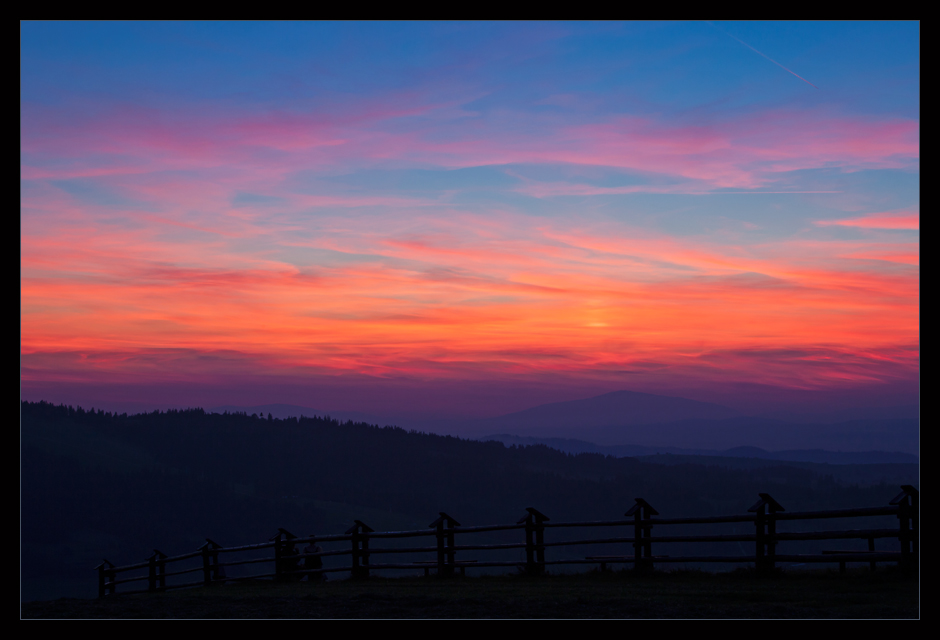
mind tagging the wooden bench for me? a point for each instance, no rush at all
(427, 565)
(832, 552)
(603, 560)
(871, 549)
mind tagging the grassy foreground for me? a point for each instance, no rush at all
(681, 594)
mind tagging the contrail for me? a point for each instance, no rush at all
(768, 57)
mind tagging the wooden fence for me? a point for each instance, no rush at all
(290, 563)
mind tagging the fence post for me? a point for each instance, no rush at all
(445, 544)
(284, 550)
(206, 564)
(161, 569)
(214, 557)
(765, 521)
(439, 524)
(534, 541)
(210, 561)
(152, 573)
(642, 535)
(157, 573)
(908, 530)
(352, 531)
(104, 572)
(364, 554)
(359, 533)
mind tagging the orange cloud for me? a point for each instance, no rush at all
(523, 297)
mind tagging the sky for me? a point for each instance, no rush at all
(466, 219)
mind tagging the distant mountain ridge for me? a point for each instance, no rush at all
(633, 419)
(615, 408)
(637, 451)
(648, 420)
(773, 435)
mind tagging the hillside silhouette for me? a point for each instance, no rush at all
(98, 484)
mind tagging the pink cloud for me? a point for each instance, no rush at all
(745, 153)
(885, 220)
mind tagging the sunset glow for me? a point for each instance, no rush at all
(499, 203)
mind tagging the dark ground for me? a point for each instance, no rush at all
(682, 594)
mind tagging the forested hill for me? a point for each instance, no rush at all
(94, 481)
(391, 468)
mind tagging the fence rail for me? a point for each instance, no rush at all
(292, 564)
